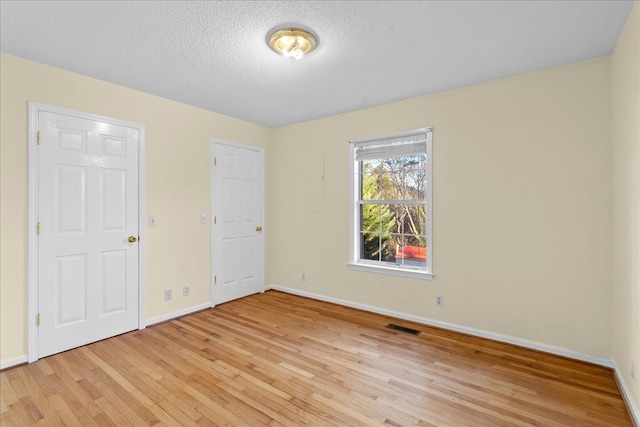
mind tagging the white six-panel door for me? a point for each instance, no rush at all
(87, 270)
(238, 208)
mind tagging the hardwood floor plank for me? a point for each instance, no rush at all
(8, 396)
(64, 412)
(275, 359)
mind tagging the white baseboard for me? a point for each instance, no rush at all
(13, 362)
(178, 313)
(628, 399)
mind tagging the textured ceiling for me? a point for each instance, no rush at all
(213, 54)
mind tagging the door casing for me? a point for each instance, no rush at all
(32, 218)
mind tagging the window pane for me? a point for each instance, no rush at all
(415, 185)
(370, 244)
(414, 162)
(377, 247)
(370, 189)
(377, 219)
(413, 219)
(415, 240)
(370, 216)
(388, 252)
(395, 185)
(381, 185)
(394, 163)
(370, 166)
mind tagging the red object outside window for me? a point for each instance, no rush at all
(417, 253)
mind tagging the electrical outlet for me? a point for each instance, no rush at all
(439, 301)
(152, 221)
(167, 295)
(203, 218)
(304, 277)
(186, 291)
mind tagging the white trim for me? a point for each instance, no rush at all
(13, 362)
(633, 410)
(32, 241)
(559, 351)
(214, 213)
(404, 272)
(179, 313)
(32, 210)
(142, 227)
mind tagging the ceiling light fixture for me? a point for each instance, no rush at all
(292, 42)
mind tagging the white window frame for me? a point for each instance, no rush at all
(355, 262)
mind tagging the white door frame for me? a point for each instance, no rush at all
(32, 209)
(212, 263)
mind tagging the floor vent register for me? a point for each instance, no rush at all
(403, 329)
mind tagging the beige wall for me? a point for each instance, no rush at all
(522, 208)
(625, 126)
(178, 190)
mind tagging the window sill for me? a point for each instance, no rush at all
(414, 274)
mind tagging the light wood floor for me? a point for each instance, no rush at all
(277, 359)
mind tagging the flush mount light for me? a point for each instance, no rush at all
(292, 42)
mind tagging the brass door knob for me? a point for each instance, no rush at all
(133, 239)
(258, 229)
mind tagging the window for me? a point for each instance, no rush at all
(391, 204)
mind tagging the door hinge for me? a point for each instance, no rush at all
(38, 319)
(38, 228)
(38, 138)
(215, 279)
(215, 161)
(215, 220)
